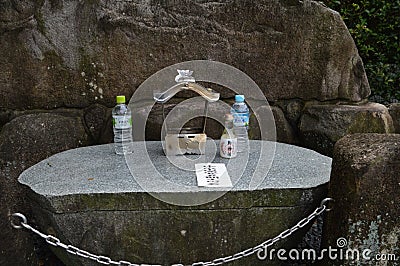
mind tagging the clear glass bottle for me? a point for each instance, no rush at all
(122, 127)
(241, 115)
(228, 142)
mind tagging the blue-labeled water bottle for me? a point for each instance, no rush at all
(122, 126)
(241, 115)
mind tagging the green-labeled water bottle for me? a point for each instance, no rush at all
(122, 126)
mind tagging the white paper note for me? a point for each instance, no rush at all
(212, 175)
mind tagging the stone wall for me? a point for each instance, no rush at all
(63, 62)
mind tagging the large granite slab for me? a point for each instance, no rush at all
(116, 205)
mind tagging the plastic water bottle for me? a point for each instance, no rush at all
(228, 142)
(122, 126)
(241, 115)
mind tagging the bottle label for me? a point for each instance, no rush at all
(241, 119)
(122, 122)
(228, 148)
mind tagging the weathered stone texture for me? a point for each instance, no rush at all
(95, 120)
(76, 53)
(5, 117)
(80, 54)
(365, 185)
(394, 110)
(25, 141)
(322, 125)
(292, 110)
(284, 131)
(33, 137)
(178, 115)
(214, 125)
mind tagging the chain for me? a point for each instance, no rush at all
(54, 241)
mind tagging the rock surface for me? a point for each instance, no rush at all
(394, 110)
(81, 54)
(365, 186)
(77, 53)
(322, 125)
(88, 197)
(284, 131)
(292, 110)
(95, 117)
(214, 125)
(184, 114)
(25, 141)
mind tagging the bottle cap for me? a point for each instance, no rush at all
(120, 99)
(239, 98)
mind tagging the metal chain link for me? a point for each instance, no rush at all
(54, 241)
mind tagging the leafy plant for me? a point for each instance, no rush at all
(375, 27)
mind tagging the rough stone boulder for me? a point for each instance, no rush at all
(284, 131)
(76, 53)
(25, 141)
(149, 116)
(394, 110)
(95, 117)
(322, 125)
(214, 125)
(365, 185)
(33, 137)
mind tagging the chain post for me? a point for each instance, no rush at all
(54, 241)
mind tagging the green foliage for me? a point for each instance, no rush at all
(375, 27)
